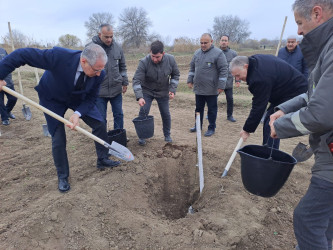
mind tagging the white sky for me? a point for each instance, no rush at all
(45, 20)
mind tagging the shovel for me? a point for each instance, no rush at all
(302, 152)
(239, 144)
(115, 148)
(26, 110)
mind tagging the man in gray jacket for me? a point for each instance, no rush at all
(312, 114)
(207, 76)
(115, 81)
(228, 91)
(156, 77)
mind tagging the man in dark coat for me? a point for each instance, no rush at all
(270, 80)
(71, 81)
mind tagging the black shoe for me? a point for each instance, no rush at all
(209, 132)
(11, 115)
(168, 139)
(142, 142)
(5, 122)
(194, 129)
(107, 163)
(63, 185)
(230, 118)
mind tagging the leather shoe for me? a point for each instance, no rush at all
(142, 142)
(11, 115)
(230, 118)
(106, 163)
(168, 138)
(5, 122)
(63, 185)
(209, 132)
(194, 129)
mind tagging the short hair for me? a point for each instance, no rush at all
(224, 35)
(304, 7)
(94, 52)
(207, 34)
(293, 37)
(157, 47)
(108, 27)
(238, 61)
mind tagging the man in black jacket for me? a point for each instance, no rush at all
(270, 80)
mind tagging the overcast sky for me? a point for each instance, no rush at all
(45, 21)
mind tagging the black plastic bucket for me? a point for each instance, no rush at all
(264, 171)
(118, 135)
(144, 126)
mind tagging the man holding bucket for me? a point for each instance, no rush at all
(156, 77)
(312, 114)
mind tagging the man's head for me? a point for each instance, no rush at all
(238, 67)
(291, 43)
(224, 42)
(93, 59)
(105, 33)
(309, 14)
(206, 41)
(156, 51)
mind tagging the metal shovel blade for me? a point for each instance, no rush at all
(120, 152)
(26, 112)
(302, 152)
(46, 130)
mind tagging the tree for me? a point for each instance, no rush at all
(133, 26)
(69, 41)
(20, 40)
(233, 26)
(95, 20)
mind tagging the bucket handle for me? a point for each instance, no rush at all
(266, 145)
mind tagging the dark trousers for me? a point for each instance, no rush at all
(267, 139)
(211, 100)
(59, 145)
(230, 101)
(313, 216)
(163, 105)
(117, 110)
(6, 109)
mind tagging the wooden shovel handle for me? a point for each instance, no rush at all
(54, 115)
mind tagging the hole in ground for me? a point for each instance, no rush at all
(174, 187)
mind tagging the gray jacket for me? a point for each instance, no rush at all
(229, 55)
(311, 113)
(8, 78)
(156, 79)
(115, 69)
(208, 71)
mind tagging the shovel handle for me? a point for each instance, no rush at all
(239, 144)
(55, 116)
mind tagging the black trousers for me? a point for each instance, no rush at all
(211, 100)
(59, 145)
(230, 101)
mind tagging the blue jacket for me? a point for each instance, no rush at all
(56, 87)
(8, 78)
(270, 80)
(295, 59)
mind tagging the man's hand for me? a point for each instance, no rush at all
(244, 135)
(171, 95)
(190, 85)
(275, 116)
(74, 119)
(273, 132)
(220, 91)
(2, 83)
(124, 89)
(237, 84)
(142, 102)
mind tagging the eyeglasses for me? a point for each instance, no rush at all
(95, 70)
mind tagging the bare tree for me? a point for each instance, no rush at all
(133, 26)
(69, 41)
(95, 20)
(20, 40)
(233, 26)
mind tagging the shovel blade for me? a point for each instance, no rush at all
(120, 152)
(26, 112)
(46, 130)
(302, 152)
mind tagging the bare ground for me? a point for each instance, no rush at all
(142, 204)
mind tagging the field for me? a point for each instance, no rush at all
(142, 204)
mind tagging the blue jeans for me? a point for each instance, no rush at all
(6, 109)
(230, 101)
(163, 105)
(211, 100)
(313, 216)
(117, 111)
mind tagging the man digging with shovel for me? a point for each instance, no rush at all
(312, 114)
(71, 81)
